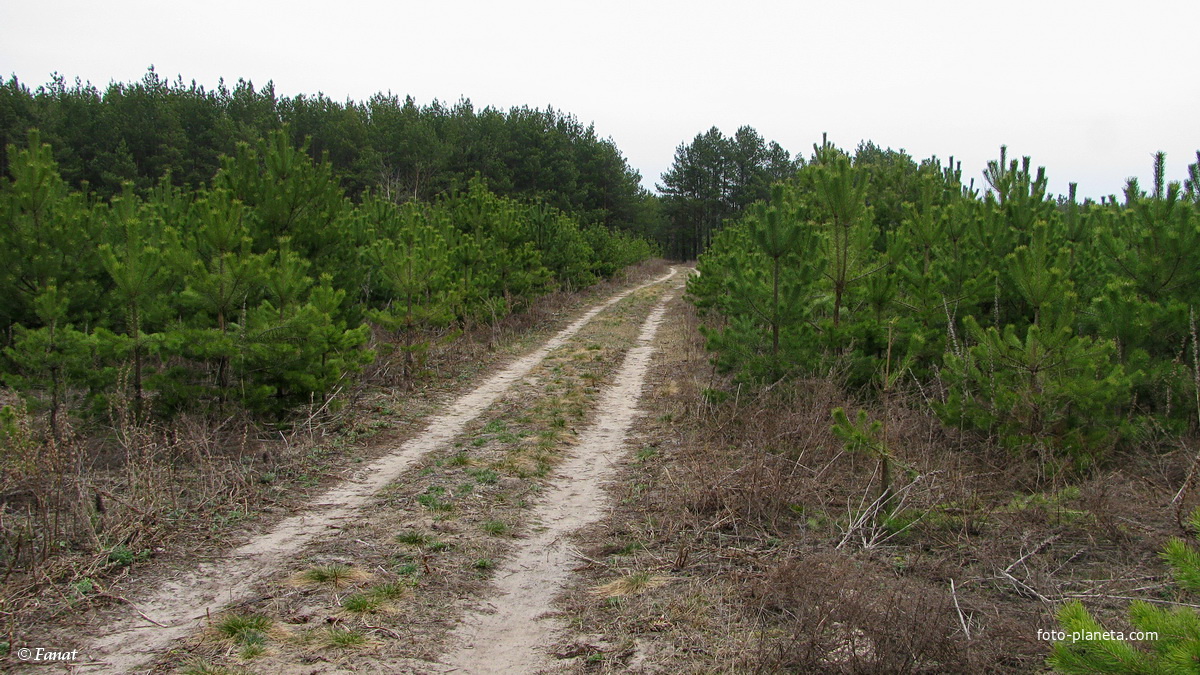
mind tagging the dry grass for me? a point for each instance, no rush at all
(763, 519)
(86, 515)
(631, 584)
(330, 575)
(438, 532)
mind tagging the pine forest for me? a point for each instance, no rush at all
(894, 418)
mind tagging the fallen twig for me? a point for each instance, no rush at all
(129, 602)
(381, 629)
(1025, 588)
(962, 620)
(1129, 597)
(1037, 549)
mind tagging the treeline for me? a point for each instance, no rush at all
(141, 131)
(1054, 327)
(257, 291)
(715, 178)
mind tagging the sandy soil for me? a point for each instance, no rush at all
(511, 633)
(177, 607)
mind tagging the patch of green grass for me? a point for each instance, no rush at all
(1023, 502)
(84, 587)
(900, 521)
(645, 454)
(391, 589)
(629, 548)
(636, 581)
(245, 629)
(407, 569)
(458, 459)
(1052, 503)
(230, 518)
(320, 452)
(436, 546)
(495, 427)
(413, 538)
(941, 520)
(120, 555)
(252, 651)
(432, 500)
(484, 564)
(333, 574)
(464, 489)
(345, 638)
(361, 603)
(484, 476)
(496, 527)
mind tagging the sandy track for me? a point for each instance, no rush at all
(179, 605)
(511, 634)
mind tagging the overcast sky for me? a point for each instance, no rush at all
(1089, 89)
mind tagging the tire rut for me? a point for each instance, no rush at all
(512, 631)
(178, 606)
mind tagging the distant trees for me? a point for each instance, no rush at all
(715, 178)
(141, 131)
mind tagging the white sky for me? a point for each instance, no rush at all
(1089, 89)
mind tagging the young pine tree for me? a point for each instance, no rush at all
(134, 256)
(1174, 647)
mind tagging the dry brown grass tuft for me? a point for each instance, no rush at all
(330, 575)
(832, 613)
(631, 584)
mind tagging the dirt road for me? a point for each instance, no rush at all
(511, 634)
(181, 606)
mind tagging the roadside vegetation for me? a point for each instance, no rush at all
(900, 423)
(178, 361)
(910, 427)
(746, 536)
(404, 573)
